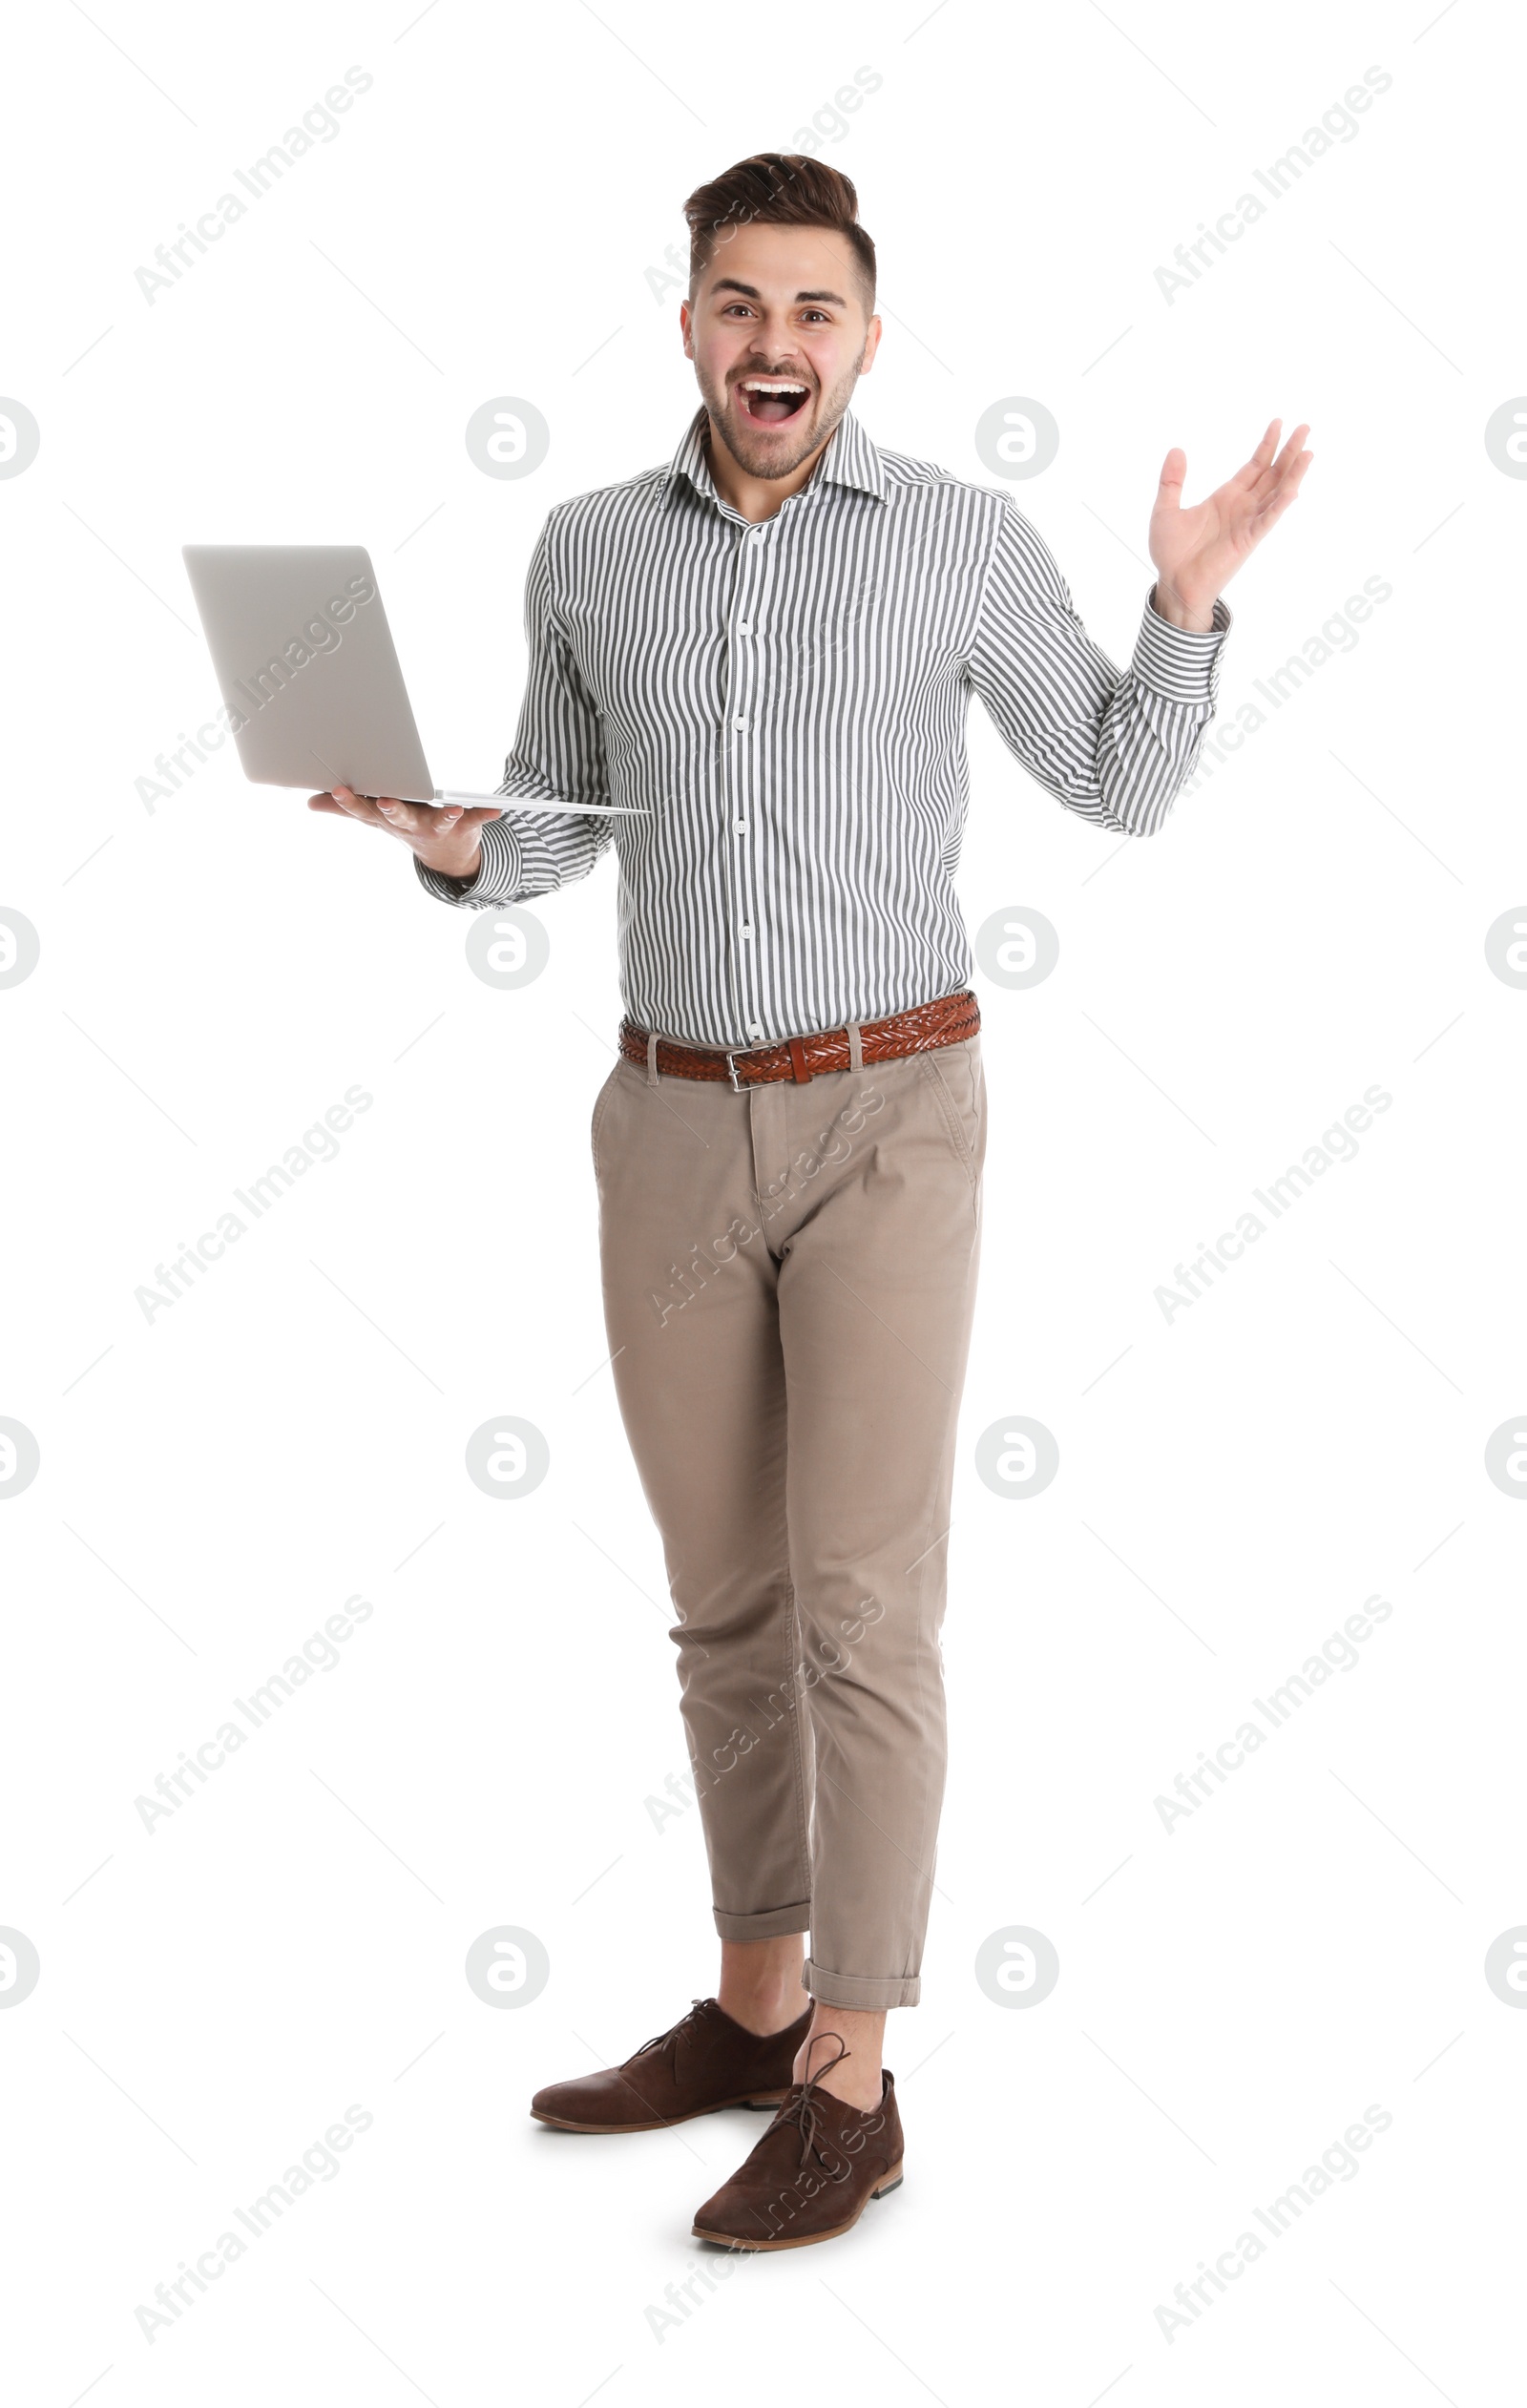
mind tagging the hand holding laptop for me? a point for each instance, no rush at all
(310, 680)
(443, 836)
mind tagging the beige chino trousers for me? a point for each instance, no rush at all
(789, 1276)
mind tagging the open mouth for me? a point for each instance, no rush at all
(772, 401)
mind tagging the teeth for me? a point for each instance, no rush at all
(757, 385)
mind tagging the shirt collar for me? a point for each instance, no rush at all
(850, 459)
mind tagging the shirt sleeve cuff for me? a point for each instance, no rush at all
(498, 872)
(1177, 662)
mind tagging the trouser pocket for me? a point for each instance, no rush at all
(958, 1083)
(600, 1100)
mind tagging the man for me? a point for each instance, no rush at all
(771, 644)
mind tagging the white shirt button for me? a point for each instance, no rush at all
(744, 626)
(755, 1028)
(739, 828)
(748, 928)
(740, 723)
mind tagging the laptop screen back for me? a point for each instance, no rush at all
(307, 667)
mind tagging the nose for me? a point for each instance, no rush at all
(774, 341)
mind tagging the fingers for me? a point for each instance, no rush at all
(1263, 473)
(1274, 467)
(419, 818)
(1246, 480)
(1290, 454)
(1286, 489)
(355, 807)
(407, 820)
(1294, 441)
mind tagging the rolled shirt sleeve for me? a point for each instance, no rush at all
(557, 757)
(1115, 746)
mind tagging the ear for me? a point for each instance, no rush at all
(867, 358)
(687, 325)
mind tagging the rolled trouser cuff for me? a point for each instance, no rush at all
(776, 1922)
(870, 1992)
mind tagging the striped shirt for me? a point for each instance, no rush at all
(789, 701)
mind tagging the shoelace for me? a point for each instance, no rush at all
(802, 2109)
(660, 2039)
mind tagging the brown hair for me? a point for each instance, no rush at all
(776, 188)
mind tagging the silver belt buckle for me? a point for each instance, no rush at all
(731, 1071)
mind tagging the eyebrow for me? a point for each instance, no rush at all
(731, 285)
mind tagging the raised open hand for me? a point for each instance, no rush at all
(1198, 550)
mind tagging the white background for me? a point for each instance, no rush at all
(1233, 1483)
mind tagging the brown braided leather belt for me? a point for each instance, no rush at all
(948, 1020)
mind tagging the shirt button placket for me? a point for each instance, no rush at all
(745, 707)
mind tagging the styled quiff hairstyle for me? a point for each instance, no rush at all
(776, 188)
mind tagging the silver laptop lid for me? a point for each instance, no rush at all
(307, 667)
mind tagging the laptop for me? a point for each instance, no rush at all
(305, 663)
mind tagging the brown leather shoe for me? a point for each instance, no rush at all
(812, 2174)
(707, 2061)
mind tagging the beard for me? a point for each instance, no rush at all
(756, 451)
